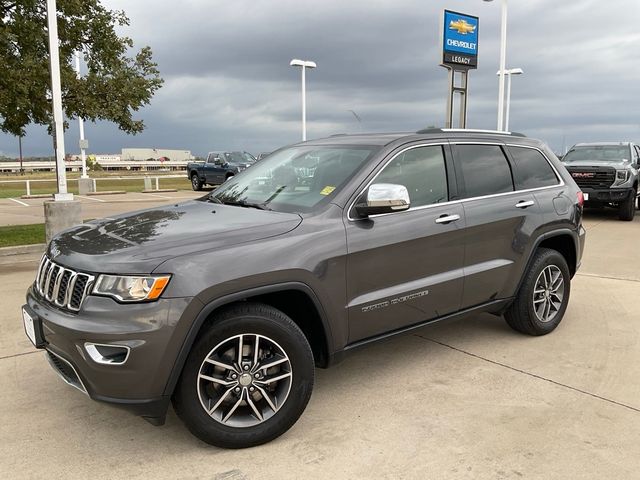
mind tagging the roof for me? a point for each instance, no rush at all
(383, 139)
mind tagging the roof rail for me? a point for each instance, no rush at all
(468, 130)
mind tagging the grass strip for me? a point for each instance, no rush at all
(13, 235)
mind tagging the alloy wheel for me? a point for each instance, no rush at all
(244, 380)
(548, 293)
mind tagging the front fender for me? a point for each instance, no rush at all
(209, 307)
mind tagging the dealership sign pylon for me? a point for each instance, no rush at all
(459, 55)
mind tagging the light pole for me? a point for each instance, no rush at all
(56, 96)
(503, 62)
(63, 212)
(509, 73)
(83, 152)
(304, 64)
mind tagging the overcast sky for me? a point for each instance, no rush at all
(228, 84)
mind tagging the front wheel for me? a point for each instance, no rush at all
(196, 184)
(543, 296)
(247, 379)
(627, 209)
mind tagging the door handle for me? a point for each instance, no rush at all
(524, 204)
(447, 218)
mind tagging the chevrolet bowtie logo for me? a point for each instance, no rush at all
(462, 27)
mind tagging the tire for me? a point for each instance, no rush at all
(234, 422)
(229, 175)
(196, 183)
(627, 209)
(528, 317)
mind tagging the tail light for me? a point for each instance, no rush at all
(580, 196)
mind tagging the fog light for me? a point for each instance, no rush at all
(107, 354)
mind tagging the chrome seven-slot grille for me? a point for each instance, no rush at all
(62, 286)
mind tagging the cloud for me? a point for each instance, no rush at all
(229, 86)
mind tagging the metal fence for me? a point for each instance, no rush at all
(146, 181)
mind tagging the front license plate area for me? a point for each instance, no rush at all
(33, 328)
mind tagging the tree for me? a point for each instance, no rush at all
(116, 85)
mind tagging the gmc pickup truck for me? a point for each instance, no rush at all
(218, 168)
(607, 174)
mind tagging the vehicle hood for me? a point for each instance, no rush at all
(598, 163)
(137, 242)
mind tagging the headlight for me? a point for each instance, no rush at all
(131, 288)
(622, 176)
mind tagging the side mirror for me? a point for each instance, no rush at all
(383, 198)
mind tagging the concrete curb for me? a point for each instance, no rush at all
(106, 192)
(22, 249)
(39, 195)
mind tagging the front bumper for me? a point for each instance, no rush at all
(607, 195)
(152, 332)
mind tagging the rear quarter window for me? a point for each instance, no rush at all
(532, 170)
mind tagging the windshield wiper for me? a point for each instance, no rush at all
(239, 203)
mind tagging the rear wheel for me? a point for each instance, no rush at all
(196, 184)
(248, 378)
(543, 296)
(627, 209)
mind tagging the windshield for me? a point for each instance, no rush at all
(239, 157)
(603, 153)
(296, 179)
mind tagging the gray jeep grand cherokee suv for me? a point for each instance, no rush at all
(225, 304)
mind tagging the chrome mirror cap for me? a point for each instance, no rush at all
(384, 198)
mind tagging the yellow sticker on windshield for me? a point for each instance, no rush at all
(327, 190)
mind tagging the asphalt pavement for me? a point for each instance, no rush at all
(21, 211)
(461, 400)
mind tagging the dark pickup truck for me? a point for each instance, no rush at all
(218, 168)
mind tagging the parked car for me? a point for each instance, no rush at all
(224, 305)
(607, 173)
(218, 168)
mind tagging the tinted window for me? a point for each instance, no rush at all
(422, 171)
(531, 169)
(485, 170)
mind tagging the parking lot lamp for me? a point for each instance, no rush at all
(503, 62)
(63, 212)
(56, 96)
(83, 152)
(304, 64)
(509, 73)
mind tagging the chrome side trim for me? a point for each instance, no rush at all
(464, 200)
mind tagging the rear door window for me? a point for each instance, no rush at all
(485, 170)
(532, 170)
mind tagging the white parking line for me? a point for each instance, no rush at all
(89, 198)
(159, 196)
(21, 203)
